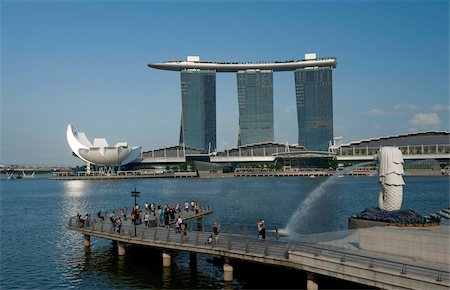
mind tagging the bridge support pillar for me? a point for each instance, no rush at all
(311, 282)
(166, 259)
(121, 248)
(87, 241)
(192, 258)
(227, 272)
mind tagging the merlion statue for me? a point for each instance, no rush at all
(391, 180)
(390, 199)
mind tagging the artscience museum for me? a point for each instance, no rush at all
(100, 153)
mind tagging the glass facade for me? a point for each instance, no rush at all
(313, 90)
(255, 96)
(198, 115)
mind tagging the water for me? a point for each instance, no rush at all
(38, 252)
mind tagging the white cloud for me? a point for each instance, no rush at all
(408, 107)
(425, 120)
(441, 108)
(413, 107)
(375, 112)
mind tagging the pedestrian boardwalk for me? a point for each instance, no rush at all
(369, 268)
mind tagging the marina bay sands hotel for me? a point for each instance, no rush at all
(313, 91)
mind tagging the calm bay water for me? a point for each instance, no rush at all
(38, 253)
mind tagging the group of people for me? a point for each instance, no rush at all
(83, 221)
(166, 215)
(151, 215)
(116, 221)
(214, 237)
(193, 204)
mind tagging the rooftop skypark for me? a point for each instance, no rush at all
(193, 62)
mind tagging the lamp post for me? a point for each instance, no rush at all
(135, 194)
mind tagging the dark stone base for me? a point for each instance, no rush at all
(371, 217)
(355, 223)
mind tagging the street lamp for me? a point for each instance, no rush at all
(135, 194)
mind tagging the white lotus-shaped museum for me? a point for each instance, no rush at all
(100, 153)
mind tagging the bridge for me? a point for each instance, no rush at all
(336, 258)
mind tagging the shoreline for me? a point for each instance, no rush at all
(210, 175)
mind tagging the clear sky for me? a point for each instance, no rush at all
(85, 63)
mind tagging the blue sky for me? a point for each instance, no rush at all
(85, 63)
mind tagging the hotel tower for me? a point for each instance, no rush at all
(313, 90)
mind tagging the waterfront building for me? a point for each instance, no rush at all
(289, 155)
(255, 95)
(418, 146)
(100, 153)
(198, 113)
(314, 94)
(415, 147)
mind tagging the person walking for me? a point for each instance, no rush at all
(146, 218)
(263, 230)
(216, 228)
(119, 224)
(183, 232)
(259, 225)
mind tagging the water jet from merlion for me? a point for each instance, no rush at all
(295, 222)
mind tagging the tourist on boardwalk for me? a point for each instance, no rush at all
(86, 220)
(216, 228)
(172, 213)
(196, 208)
(146, 217)
(186, 206)
(261, 230)
(114, 223)
(122, 213)
(119, 224)
(178, 224)
(161, 215)
(112, 216)
(139, 217)
(183, 232)
(133, 216)
(100, 216)
(166, 218)
(152, 208)
(125, 214)
(209, 240)
(80, 221)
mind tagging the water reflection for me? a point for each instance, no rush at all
(75, 188)
(166, 277)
